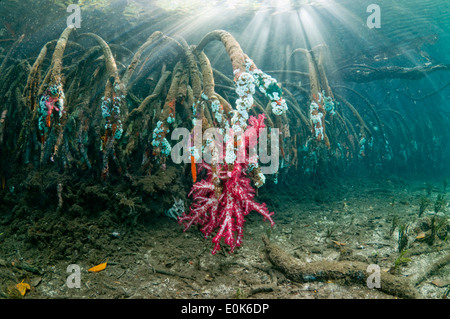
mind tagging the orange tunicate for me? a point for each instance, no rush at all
(193, 169)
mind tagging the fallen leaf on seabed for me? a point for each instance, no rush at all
(440, 283)
(23, 287)
(99, 267)
(420, 236)
(338, 243)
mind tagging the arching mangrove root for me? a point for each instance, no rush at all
(318, 108)
(368, 74)
(351, 272)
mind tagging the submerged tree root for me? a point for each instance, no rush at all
(265, 288)
(347, 271)
(432, 269)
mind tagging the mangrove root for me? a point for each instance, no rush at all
(351, 272)
(390, 72)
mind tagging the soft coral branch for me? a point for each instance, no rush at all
(225, 210)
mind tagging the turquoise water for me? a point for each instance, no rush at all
(92, 118)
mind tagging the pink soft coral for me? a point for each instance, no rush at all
(226, 208)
